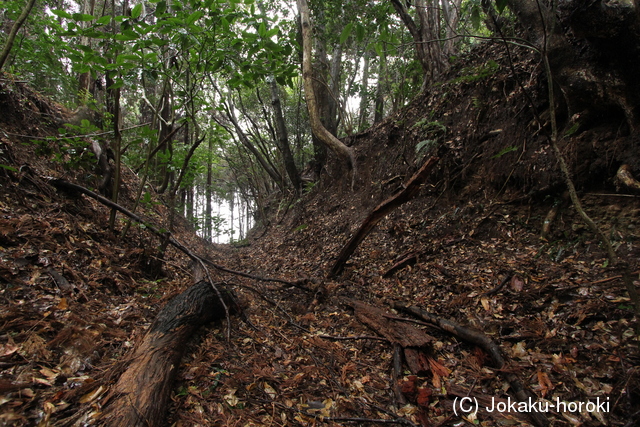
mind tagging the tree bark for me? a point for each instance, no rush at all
(14, 30)
(141, 395)
(343, 152)
(364, 93)
(282, 137)
(593, 50)
(425, 35)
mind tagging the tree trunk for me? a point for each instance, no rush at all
(364, 93)
(333, 102)
(141, 395)
(14, 30)
(594, 54)
(426, 35)
(379, 104)
(282, 137)
(208, 192)
(343, 152)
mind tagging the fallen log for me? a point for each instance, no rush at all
(141, 395)
(382, 210)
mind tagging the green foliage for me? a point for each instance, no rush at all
(475, 74)
(37, 56)
(424, 148)
(71, 147)
(505, 151)
(433, 131)
(572, 130)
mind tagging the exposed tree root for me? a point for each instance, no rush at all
(484, 342)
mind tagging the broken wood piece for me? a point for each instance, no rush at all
(414, 341)
(397, 374)
(548, 220)
(483, 341)
(141, 395)
(402, 334)
(410, 190)
(625, 177)
(417, 361)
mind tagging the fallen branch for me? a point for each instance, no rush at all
(75, 188)
(410, 190)
(484, 342)
(359, 337)
(498, 288)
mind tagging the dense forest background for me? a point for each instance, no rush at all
(467, 162)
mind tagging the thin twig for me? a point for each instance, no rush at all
(358, 337)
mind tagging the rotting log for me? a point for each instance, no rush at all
(141, 395)
(410, 190)
(416, 343)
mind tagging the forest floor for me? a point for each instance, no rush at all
(75, 298)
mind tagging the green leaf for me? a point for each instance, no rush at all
(505, 151)
(346, 33)
(104, 20)
(379, 49)
(360, 33)
(151, 57)
(194, 17)
(161, 8)
(137, 10)
(262, 29)
(9, 168)
(127, 36)
(117, 85)
(475, 17)
(500, 5)
(84, 17)
(62, 14)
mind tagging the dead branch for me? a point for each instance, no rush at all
(359, 337)
(410, 190)
(75, 188)
(481, 340)
(498, 288)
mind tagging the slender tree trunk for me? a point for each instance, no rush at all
(364, 94)
(379, 105)
(282, 137)
(14, 31)
(343, 152)
(208, 191)
(451, 15)
(426, 35)
(84, 79)
(333, 102)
